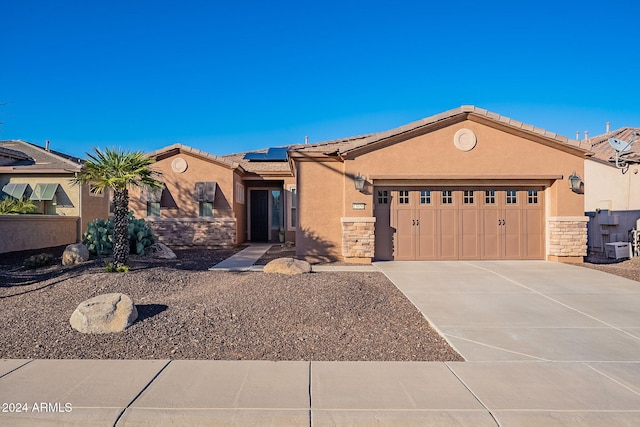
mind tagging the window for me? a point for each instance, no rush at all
(383, 197)
(205, 209)
(533, 197)
(276, 208)
(512, 197)
(239, 193)
(46, 195)
(292, 195)
(467, 197)
(403, 197)
(153, 209)
(447, 197)
(425, 197)
(490, 197)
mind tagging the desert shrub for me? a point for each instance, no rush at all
(39, 260)
(11, 206)
(99, 236)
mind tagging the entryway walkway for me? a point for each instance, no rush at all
(245, 259)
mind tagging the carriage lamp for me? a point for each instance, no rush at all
(359, 182)
(575, 182)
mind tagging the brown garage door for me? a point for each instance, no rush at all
(459, 223)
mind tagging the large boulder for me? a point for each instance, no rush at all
(161, 251)
(75, 254)
(287, 266)
(104, 314)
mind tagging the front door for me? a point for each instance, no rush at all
(259, 200)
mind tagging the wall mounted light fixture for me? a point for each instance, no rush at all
(575, 182)
(358, 181)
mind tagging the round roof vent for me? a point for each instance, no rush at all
(465, 139)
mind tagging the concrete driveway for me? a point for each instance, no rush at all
(525, 310)
(545, 343)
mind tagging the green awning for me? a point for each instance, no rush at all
(15, 190)
(44, 192)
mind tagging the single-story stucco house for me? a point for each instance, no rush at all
(466, 184)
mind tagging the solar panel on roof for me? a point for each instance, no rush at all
(278, 154)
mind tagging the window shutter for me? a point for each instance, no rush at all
(198, 194)
(210, 191)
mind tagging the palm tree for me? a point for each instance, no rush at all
(118, 170)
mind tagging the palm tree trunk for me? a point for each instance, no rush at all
(120, 228)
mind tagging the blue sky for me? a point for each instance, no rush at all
(234, 76)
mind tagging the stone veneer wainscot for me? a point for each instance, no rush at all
(194, 231)
(568, 236)
(358, 237)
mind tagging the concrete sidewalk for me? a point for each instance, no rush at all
(223, 393)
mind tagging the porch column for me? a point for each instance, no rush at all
(567, 238)
(358, 239)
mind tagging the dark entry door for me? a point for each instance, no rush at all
(260, 215)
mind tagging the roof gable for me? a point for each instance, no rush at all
(352, 147)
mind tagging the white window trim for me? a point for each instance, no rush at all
(240, 191)
(289, 206)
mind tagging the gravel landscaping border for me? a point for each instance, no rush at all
(187, 312)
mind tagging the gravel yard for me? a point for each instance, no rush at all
(187, 312)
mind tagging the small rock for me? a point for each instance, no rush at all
(104, 314)
(161, 251)
(75, 254)
(287, 266)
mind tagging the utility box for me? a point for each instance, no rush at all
(618, 250)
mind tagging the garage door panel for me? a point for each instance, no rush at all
(448, 227)
(427, 248)
(470, 233)
(534, 236)
(404, 244)
(512, 234)
(491, 246)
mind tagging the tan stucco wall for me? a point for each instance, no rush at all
(181, 188)
(606, 187)
(327, 191)
(320, 206)
(24, 232)
(93, 206)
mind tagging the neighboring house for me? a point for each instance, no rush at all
(612, 193)
(466, 184)
(219, 200)
(610, 187)
(43, 176)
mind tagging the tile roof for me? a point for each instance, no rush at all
(602, 150)
(194, 151)
(347, 145)
(25, 157)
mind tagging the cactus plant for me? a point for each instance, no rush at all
(99, 236)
